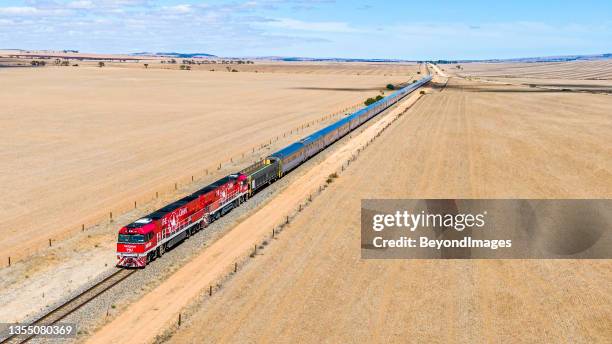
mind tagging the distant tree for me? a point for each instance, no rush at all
(390, 87)
(183, 67)
(173, 61)
(229, 69)
(234, 71)
(101, 64)
(188, 67)
(146, 65)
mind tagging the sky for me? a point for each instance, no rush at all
(411, 30)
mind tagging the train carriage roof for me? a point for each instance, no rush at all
(292, 148)
(311, 138)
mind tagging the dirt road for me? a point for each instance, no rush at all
(470, 140)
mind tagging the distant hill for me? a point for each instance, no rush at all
(561, 58)
(175, 55)
(322, 59)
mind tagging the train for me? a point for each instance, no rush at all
(148, 238)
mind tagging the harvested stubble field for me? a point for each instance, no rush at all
(578, 70)
(333, 68)
(314, 68)
(472, 140)
(584, 76)
(78, 143)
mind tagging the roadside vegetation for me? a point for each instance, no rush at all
(371, 101)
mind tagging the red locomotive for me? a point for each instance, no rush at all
(147, 238)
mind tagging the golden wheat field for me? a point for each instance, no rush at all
(79, 143)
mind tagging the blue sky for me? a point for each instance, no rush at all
(312, 28)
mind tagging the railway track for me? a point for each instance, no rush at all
(67, 308)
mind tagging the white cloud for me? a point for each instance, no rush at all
(120, 3)
(177, 9)
(82, 4)
(299, 25)
(25, 10)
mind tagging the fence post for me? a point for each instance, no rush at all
(235, 267)
(83, 228)
(111, 216)
(179, 320)
(49, 242)
(210, 291)
(9, 261)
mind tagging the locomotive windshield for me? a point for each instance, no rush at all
(131, 238)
